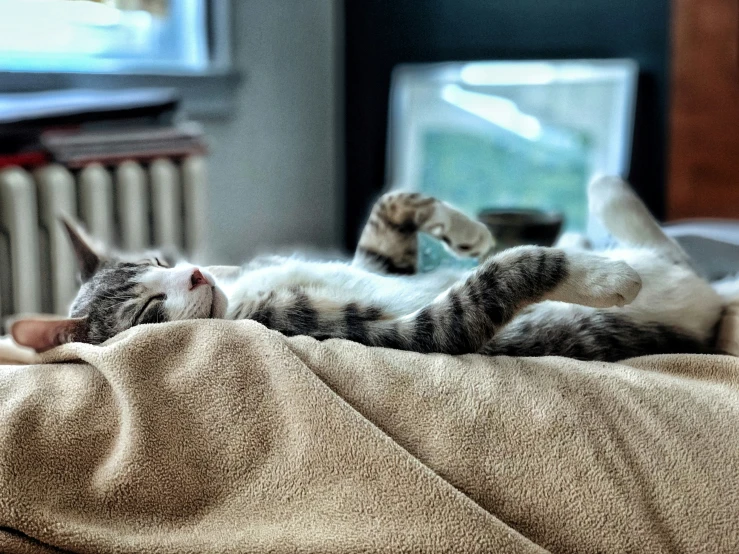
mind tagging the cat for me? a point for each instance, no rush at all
(642, 298)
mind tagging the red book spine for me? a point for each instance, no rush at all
(24, 159)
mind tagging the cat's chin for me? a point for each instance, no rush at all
(218, 304)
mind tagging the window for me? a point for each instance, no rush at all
(112, 36)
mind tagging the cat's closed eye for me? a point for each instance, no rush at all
(151, 312)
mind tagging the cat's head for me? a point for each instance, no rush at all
(119, 291)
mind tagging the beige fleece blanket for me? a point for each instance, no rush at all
(227, 437)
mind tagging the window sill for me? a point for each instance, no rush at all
(203, 95)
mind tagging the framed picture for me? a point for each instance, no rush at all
(511, 134)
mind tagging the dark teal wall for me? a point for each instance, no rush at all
(383, 33)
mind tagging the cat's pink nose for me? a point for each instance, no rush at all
(197, 279)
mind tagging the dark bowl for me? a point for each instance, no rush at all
(516, 227)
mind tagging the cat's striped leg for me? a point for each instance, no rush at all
(389, 240)
(465, 317)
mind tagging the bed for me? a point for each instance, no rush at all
(223, 436)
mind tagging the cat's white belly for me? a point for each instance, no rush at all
(671, 294)
(341, 283)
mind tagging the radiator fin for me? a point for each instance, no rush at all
(133, 206)
(19, 219)
(194, 178)
(57, 195)
(166, 204)
(97, 204)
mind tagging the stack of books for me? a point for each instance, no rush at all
(80, 127)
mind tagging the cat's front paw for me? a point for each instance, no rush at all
(463, 235)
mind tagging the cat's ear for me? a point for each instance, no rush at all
(44, 333)
(171, 255)
(88, 256)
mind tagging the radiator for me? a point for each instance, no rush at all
(133, 206)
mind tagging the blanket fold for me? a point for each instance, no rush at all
(227, 437)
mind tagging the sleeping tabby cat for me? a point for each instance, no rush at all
(531, 301)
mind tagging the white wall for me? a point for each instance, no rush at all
(274, 165)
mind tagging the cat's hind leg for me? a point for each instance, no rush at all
(674, 293)
(389, 240)
(629, 221)
(468, 315)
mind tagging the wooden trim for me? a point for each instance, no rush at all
(704, 114)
